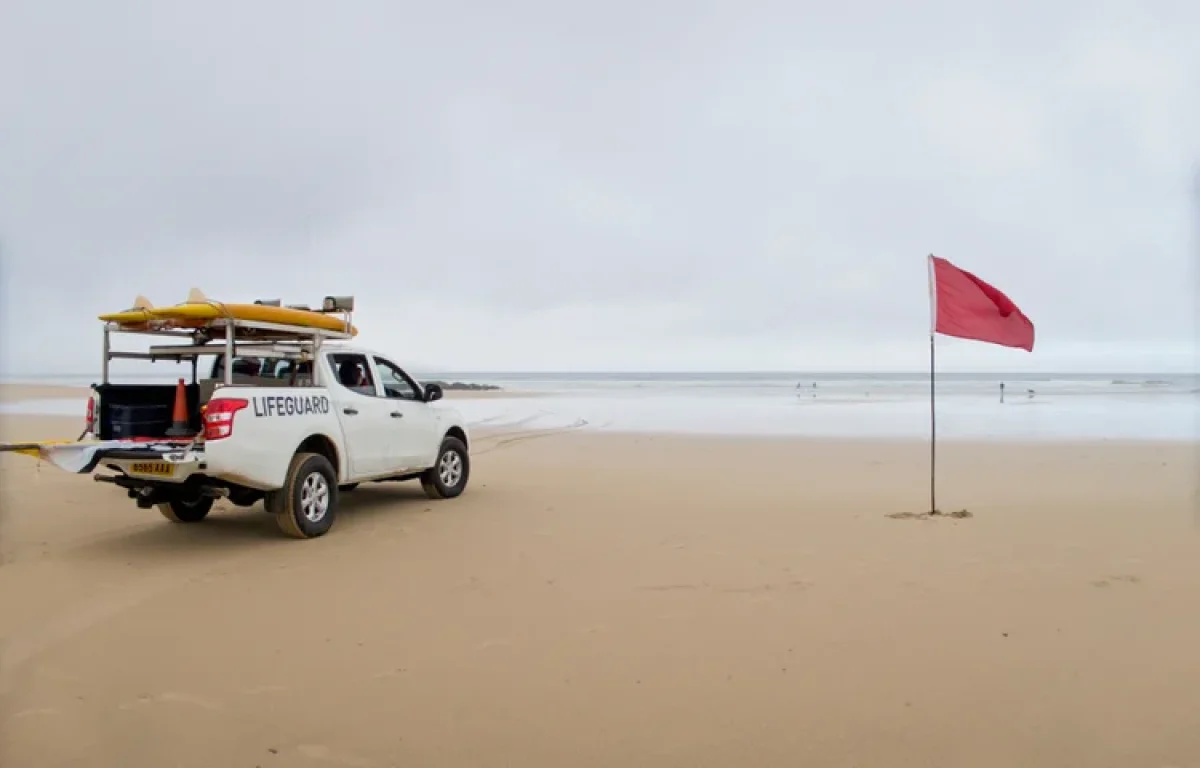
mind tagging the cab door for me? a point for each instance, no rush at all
(362, 413)
(413, 440)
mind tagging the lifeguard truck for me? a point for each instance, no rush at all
(280, 407)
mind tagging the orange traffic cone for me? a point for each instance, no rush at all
(179, 422)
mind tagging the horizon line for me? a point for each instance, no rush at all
(701, 372)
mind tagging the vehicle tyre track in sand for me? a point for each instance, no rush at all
(506, 439)
(511, 424)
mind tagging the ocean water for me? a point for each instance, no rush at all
(891, 405)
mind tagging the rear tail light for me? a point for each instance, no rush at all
(218, 417)
(90, 418)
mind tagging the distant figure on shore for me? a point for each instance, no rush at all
(1002, 391)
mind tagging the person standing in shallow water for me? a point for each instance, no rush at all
(1002, 391)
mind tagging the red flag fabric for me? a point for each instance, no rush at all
(968, 308)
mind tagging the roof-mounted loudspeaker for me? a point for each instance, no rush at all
(338, 304)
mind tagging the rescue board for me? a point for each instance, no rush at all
(81, 456)
(198, 312)
(37, 449)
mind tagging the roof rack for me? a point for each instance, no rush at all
(228, 336)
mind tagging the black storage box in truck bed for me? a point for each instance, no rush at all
(143, 410)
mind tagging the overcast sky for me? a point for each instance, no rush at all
(670, 184)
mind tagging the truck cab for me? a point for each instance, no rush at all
(387, 422)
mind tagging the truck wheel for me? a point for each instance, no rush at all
(306, 504)
(181, 510)
(447, 478)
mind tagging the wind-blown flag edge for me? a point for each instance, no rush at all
(994, 318)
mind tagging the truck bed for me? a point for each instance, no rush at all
(142, 410)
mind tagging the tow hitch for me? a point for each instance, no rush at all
(148, 495)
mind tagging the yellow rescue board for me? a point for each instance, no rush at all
(34, 449)
(197, 315)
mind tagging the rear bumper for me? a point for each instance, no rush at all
(155, 465)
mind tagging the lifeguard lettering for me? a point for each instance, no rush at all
(290, 405)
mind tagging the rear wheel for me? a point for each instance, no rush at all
(184, 509)
(448, 476)
(306, 505)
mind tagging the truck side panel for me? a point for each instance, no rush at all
(267, 432)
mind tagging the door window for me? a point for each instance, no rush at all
(396, 383)
(353, 373)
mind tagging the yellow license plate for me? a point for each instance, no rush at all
(155, 468)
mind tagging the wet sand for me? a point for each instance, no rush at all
(603, 600)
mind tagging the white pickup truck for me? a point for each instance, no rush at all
(264, 431)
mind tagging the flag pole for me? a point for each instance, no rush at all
(1196, 276)
(932, 388)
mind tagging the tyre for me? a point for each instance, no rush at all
(182, 509)
(448, 476)
(306, 505)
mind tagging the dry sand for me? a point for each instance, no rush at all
(604, 600)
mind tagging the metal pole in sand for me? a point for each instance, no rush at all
(932, 389)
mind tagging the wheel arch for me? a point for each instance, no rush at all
(322, 444)
(460, 433)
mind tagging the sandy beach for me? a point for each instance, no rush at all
(11, 393)
(612, 600)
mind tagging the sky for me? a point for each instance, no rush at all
(618, 185)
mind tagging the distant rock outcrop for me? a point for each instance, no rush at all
(464, 386)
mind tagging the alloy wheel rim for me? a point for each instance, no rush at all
(314, 497)
(450, 468)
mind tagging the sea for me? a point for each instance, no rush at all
(1050, 406)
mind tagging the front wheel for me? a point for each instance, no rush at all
(306, 505)
(448, 476)
(186, 510)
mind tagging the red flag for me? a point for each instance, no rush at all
(968, 308)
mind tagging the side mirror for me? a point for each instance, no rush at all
(433, 392)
